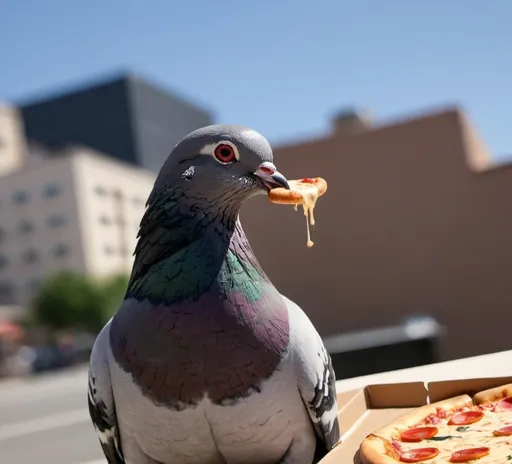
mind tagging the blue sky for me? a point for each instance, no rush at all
(280, 67)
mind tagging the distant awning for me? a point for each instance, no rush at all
(413, 328)
(10, 330)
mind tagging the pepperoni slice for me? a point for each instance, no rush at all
(466, 418)
(503, 432)
(418, 434)
(469, 454)
(504, 405)
(419, 454)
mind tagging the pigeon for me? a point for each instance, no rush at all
(205, 362)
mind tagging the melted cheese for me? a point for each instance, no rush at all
(475, 435)
(310, 194)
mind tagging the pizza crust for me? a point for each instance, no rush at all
(373, 450)
(493, 394)
(299, 191)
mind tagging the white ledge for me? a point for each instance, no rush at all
(489, 365)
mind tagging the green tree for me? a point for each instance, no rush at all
(113, 290)
(73, 301)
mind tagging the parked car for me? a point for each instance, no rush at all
(51, 357)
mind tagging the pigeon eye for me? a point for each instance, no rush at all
(225, 153)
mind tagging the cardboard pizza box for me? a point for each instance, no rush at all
(344, 397)
(363, 411)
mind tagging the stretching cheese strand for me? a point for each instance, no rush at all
(310, 195)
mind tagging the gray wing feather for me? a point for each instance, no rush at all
(101, 400)
(315, 376)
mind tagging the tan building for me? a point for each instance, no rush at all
(415, 221)
(12, 139)
(76, 210)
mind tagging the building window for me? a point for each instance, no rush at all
(104, 220)
(6, 290)
(61, 250)
(137, 201)
(51, 191)
(124, 251)
(117, 194)
(21, 197)
(34, 285)
(30, 256)
(101, 191)
(4, 261)
(26, 227)
(57, 220)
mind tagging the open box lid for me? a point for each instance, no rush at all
(374, 406)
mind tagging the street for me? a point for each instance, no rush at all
(45, 419)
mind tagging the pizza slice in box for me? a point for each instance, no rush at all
(459, 429)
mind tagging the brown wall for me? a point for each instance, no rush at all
(405, 227)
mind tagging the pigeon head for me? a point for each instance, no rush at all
(220, 164)
(191, 219)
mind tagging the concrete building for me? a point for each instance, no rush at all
(416, 220)
(125, 117)
(75, 209)
(12, 139)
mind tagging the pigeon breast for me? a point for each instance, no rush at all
(222, 344)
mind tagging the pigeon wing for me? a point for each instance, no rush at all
(101, 399)
(315, 376)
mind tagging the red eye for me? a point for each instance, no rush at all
(225, 153)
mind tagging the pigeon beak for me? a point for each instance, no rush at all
(270, 176)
